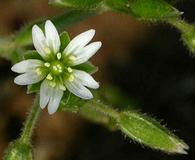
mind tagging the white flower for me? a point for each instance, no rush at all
(56, 71)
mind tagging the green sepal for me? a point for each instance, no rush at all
(87, 67)
(65, 40)
(32, 54)
(81, 4)
(70, 102)
(33, 88)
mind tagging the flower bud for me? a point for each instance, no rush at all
(187, 33)
(18, 151)
(150, 133)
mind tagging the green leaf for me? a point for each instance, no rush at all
(81, 4)
(147, 131)
(63, 21)
(65, 39)
(33, 88)
(153, 9)
(32, 54)
(145, 9)
(87, 67)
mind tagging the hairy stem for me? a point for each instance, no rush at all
(30, 122)
(180, 24)
(102, 108)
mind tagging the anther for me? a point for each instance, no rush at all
(49, 77)
(59, 55)
(47, 64)
(59, 67)
(55, 68)
(69, 69)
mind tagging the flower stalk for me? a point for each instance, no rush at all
(21, 148)
(187, 33)
(30, 122)
(135, 125)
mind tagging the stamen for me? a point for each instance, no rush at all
(47, 50)
(49, 77)
(71, 78)
(59, 55)
(69, 69)
(47, 64)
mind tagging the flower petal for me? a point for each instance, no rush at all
(79, 41)
(86, 79)
(78, 89)
(26, 65)
(55, 99)
(39, 40)
(52, 36)
(28, 78)
(45, 93)
(87, 52)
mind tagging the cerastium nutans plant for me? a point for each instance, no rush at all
(59, 72)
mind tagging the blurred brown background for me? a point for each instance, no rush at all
(148, 62)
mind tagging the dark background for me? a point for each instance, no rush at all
(147, 62)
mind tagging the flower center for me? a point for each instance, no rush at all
(56, 68)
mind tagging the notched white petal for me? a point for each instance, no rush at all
(27, 65)
(78, 89)
(39, 40)
(87, 52)
(45, 93)
(28, 78)
(52, 36)
(79, 41)
(86, 79)
(55, 99)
